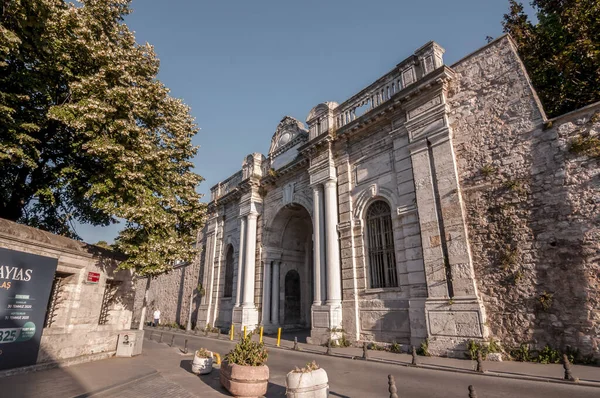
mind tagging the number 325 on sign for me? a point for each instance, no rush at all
(9, 335)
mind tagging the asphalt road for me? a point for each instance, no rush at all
(357, 378)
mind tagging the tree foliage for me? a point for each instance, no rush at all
(89, 134)
(561, 52)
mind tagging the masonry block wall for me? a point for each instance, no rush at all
(169, 293)
(375, 165)
(532, 204)
(75, 329)
(492, 211)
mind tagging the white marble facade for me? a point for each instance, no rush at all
(353, 221)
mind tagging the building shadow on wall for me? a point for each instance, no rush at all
(180, 297)
(562, 251)
(123, 291)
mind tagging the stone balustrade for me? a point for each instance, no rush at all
(422, 62)
(226, 186)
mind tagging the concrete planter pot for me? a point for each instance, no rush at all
(245, 381)
(202, 366)
(307, 385)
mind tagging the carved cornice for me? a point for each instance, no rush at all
(299, 164)
(311, 148)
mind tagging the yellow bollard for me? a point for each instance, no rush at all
(244, 331)
(278, 337)
(231, 332)
(218, 360)
(261, 332)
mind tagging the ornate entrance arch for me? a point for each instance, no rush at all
(288, 275)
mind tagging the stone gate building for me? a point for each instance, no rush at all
(430, 205)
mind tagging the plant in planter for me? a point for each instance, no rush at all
(308, 381)
(244, 373)
(202, 363)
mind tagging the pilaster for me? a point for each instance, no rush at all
(245, 313)
(454, 312)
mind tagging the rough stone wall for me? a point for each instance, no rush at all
(531, 204)
(75, 330)
(170, 293)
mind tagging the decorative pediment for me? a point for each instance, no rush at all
(288, 130)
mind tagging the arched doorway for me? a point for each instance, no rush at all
(290, 275)
(292, 302)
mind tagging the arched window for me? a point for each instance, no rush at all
(228, 289)
(380, 241)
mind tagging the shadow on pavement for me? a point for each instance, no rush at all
(212, 379)
(186, 365)
(275, 390)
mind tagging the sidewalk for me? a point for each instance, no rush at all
(159, 372)
(510, 369)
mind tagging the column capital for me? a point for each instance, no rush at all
(330, 182)
(252, 214)
(272, 253)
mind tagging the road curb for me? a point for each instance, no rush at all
(421, 366)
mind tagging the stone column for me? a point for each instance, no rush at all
(334, 290)
(323, 245)
(266, 304)
(275, 295)
(250, 261)
(240, 273)
(317, 248)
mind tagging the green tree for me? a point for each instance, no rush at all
(103, 244)
(89, 134)
(561, 52)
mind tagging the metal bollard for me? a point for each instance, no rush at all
(365, 351)
(219, 334)
(329, 347)
(260, 340)
(296, 344)
(172, 341)
(472, 392)
(160, 339)
(480, 368)
(231, 331)
(245, 331)
(414, 356)
(279, 337)
(567, 367)
(392, 387)
(185, 350)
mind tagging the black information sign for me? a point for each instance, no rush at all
(25, 284)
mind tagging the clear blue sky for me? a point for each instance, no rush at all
(243, 65)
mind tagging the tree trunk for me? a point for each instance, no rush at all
(143, 316)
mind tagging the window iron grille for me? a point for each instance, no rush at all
(380, 239)
(110, 294)
(56, 298)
